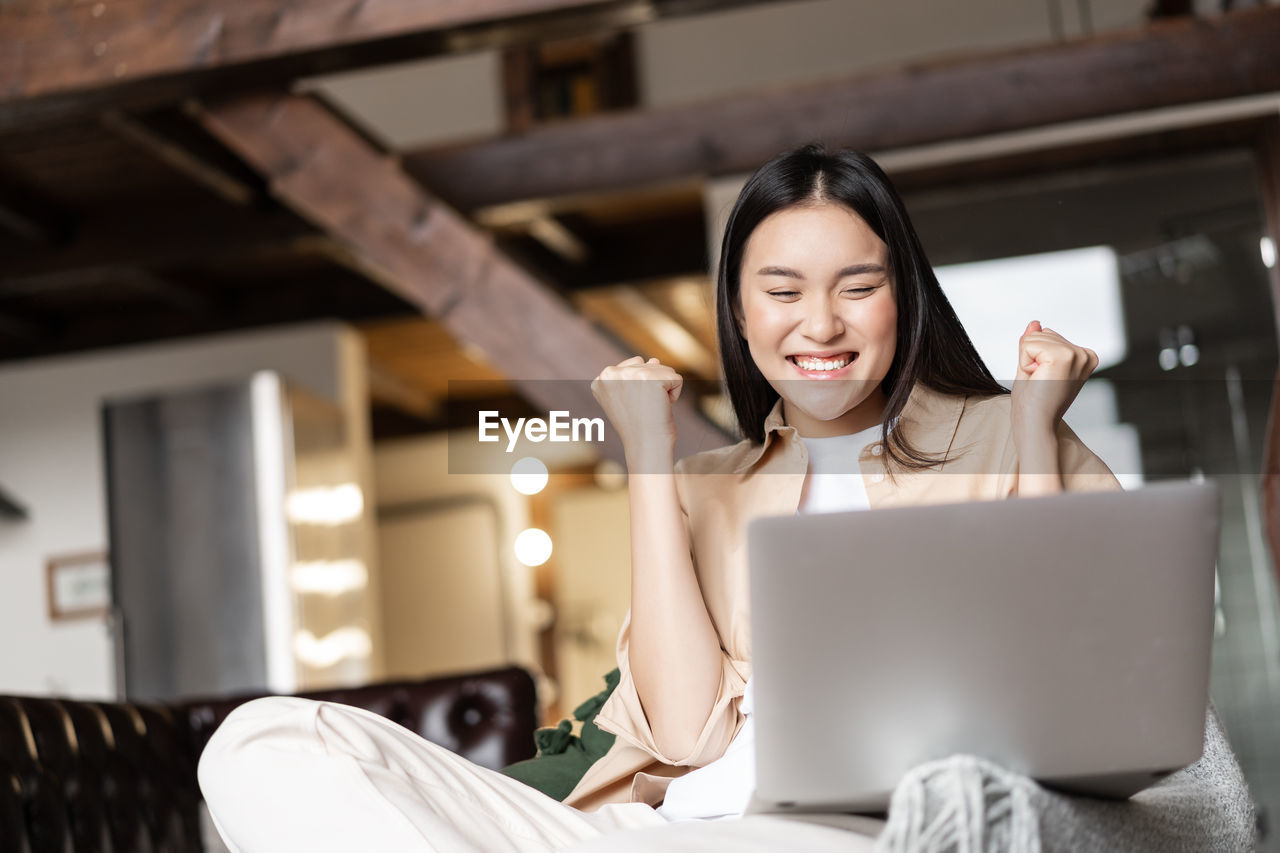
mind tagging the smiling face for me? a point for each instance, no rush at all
(818, 312)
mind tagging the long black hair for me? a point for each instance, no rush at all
(933, 347)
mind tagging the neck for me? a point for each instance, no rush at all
(868, 413)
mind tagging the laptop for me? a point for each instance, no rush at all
(1066, 638)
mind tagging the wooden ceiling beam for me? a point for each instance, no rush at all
(21, 329)
(170, 293)
(219, 181)
(152, 240)
(124, 277)
(1167, 64)
(65, 56)
(121, 316)
(388, 389)
(427, 253)
(88, 277)
(10, 507)
(618, 253)
(31, 218)
(635, 318)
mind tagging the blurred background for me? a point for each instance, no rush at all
(262, 265)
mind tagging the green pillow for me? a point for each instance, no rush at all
(563, 757)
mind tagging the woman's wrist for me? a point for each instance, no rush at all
(650, 457)
(1034, 426)
(1038, 469)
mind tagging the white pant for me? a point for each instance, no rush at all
(286, 774)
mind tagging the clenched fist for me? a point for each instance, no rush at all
(636, 395)
(1051, 372)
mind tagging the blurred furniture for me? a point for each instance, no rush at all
(121, 777)
(238, 539)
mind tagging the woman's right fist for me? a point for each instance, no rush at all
(636, 395)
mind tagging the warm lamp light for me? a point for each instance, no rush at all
(326, 651)
(326, 505)
(533, 547)
(329, 577)
(529, 475)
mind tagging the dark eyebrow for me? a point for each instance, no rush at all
(783, 271)
(855, 269)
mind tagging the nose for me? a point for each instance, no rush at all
(822, 322)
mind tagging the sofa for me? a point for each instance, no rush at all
(121, 777)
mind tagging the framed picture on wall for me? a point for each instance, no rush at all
(79, 585)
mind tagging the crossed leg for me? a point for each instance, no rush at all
(293, 774)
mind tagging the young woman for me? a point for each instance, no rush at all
(841, 355)
(855, 387)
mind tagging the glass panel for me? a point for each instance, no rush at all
(1189, 396)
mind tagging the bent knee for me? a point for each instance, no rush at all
(252, 732)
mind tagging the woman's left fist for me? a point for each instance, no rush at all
(1051, 372)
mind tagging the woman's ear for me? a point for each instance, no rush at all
(739, 321)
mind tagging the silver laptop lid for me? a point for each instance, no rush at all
(1067, 638)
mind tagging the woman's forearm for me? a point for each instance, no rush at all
(1039, 472)
(674, 651)
(1051, 372)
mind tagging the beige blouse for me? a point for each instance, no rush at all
(721, 490)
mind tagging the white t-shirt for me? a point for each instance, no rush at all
(833, 483)
(724, 787)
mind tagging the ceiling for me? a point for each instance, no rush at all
(125, 225)
(120, 229)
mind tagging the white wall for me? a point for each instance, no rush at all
(443, 579)
(414, 104)
(51, 460)
(415, 471)
(448, 611)
(592, 532)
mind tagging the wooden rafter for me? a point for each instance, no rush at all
(10, 507)
(634, 317)
(226, 186)
(386, 388)
(132, 278)
(145, 239)
(426, 252)
(1170, 63)
(30, 218)
(415, 367)
(170, 293)
(21, 329)
(64, 55)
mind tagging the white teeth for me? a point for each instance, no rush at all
(822, 363)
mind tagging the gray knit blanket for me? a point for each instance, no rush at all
(963, 804)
